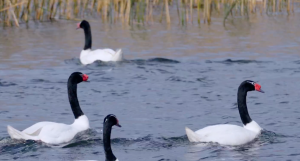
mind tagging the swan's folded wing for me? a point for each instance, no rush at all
(192, 136)
(100, 54)
(16, 134)
(35, 127)
(57, 133)
(118, 56)
(110, 51)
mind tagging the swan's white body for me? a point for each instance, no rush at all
(225, 134)
(89, 56)
(51, 132)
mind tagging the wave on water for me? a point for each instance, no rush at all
(6, 84)
(297, 62)
(270, 137)
(40, 81)
(76, 61)
(92, 138)
(147, 142)
(13, 147)
(241, 61)
(152, 61)
(163, 60)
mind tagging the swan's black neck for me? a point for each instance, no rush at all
(88, 36)
(109, 156)
(72, 93)
(242, 105)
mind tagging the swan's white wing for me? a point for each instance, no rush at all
(103, 55)
(116, 55)
(57, 133)
(192, 136)
(226, 134)
(48, 132)
(51, 132)
(111, 51)
(89, 56)
(16, 134)
(32, 129)
(30, 133)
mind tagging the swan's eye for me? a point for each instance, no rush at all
(112, 115)
(251, 82)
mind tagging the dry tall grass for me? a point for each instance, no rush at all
(13, 12)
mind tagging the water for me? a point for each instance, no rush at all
(173, 77)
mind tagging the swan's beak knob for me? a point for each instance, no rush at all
(85, 77)
(258, 88)
(78, 26)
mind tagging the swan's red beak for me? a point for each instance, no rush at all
(85, 77)
(258, 88)
(78, 26)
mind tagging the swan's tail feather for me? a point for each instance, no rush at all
(192, 136)
(16, 134)
(118, 56)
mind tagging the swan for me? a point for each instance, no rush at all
(56, 133)
(109, 121)
(226, 134)
(87, 56)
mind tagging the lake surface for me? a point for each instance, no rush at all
(173, 77)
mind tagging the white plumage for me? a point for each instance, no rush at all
(89, 56)
(225, 134)
(57, 133)
(51, 132)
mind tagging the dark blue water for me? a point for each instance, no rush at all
(172, 78)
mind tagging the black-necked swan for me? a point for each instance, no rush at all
(88, 56)
(226, 134)
(109, 121)
(56, 133)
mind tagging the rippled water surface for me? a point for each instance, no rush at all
(173, 77)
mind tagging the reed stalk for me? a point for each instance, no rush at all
(198, 11)
(128, 7)
(99, 6)
(12, 13)
(288, 6)
(105, 6)
(167, 11)
(191, 10)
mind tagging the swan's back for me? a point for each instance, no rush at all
(57, 133)
(35, 127)
(90, 56)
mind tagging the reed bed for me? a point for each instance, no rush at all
(14, 12)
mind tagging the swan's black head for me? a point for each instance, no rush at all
(78, 77)
(112, 120)
(83, 24)
(250, 85)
